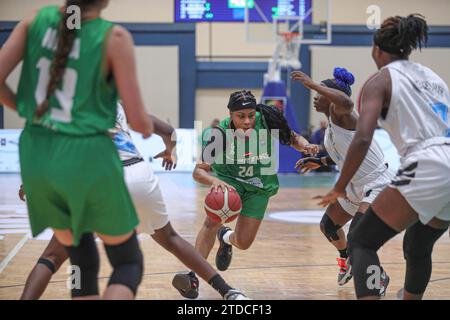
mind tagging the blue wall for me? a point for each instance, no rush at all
(144, 34)
(249, 75)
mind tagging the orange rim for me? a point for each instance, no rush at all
(288, 36)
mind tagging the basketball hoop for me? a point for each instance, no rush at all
(288, 36)
(290, 50)
(286, 55)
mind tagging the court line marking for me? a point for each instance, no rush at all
(440, 279)
(13, 253)
(237, 269)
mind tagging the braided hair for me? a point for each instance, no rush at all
(66, 38)
(400, 35)
(271, 116)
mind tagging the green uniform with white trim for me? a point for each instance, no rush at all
(247, 165)
(70, 168)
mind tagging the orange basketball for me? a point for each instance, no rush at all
(223, 206)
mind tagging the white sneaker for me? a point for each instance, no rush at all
(234, 294)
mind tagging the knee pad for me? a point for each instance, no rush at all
(329, 229)
(418, 245)
(368, 235)
(46, 262)
(127, 262)
(85, 256)
(419, 240)
(358, 215)
(370, 232)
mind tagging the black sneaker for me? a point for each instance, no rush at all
(186, 284)
(225, 252)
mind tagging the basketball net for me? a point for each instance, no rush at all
(286, 55)
(290, 50)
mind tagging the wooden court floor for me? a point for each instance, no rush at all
(288, 260)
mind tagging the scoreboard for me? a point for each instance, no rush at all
(234, 10)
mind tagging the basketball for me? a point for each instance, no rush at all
(223, 206)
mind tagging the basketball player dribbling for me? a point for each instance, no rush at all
(244, 167)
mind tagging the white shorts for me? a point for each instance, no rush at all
(424, 181)
(364, 193)
(147, 198)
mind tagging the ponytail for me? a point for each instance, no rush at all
(66, 38)
(274, 119)
(400, 35)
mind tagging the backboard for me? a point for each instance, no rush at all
(267, 20)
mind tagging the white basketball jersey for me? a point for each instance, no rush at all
(127, 150)
(122, 137)
(337, 141)
(419, 104)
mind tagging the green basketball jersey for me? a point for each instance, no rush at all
(85, 102)
(247, 160)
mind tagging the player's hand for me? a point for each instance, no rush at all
(305, 165)
(312, 149)
(303, 78)
(331, 197)
(219, 184)
(21, 193)
(169, 157)
(300, 144)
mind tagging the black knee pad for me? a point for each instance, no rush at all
(49, 264)
(419, 240)
(329, 229)
(418, 245)
(370, 231)
(127, 262)
(368, 235)
(85, 256)
(358, 215)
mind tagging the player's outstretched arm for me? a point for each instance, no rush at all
(342, 103)
(300, 144)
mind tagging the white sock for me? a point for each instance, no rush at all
(226, 236)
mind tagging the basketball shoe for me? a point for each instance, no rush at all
(225, 252)
(234, 294)
(187, 284)
(345, 271)
(384, 282)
